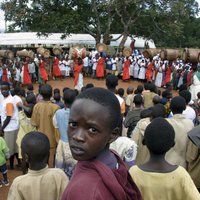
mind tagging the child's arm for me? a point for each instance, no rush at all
(5, 150)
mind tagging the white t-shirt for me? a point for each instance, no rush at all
(14, 122)
(189, 113)
(86, 62)
(31, 68)
(94, 61)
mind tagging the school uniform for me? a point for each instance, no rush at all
(175, 185)
(177, 154)
(47, 183)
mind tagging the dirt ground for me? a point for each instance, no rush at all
(61, 84)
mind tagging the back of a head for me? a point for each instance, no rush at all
(107, 99)
(147, 85)
(152, 87)
(120, 92)
(31, 98)
(178, 105)
(89, 85)
(17, 90)
(158, 110)
(159, 136)
(36, 145)
(183, 87)
(111, 81)
(140, 89)
(30, 87)
(156, 100)
(138, 100)
(56, 97)
(69, 96)
(146, 113)
(5, 83)
(130, 90)
(186, 95)
(56, 90)
(46, 91)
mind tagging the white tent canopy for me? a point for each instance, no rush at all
(31, 38)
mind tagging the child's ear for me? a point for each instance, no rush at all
(114, 135)
(143, 142)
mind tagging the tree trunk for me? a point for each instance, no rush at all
(123, 41)
(97, 38)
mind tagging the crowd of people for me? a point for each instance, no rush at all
(93, 143)
(98, 65)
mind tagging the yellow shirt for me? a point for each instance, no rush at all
(42, 119)
(46, 184)
(176, 185)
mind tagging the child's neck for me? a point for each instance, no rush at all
(157, 163)
(37, 166)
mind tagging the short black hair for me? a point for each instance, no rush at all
(146, 113)
(105, 98)
(6, 84)
(64, 89)
(139, 89)
(56, 90)
(130, 90)
(36, 145)
(138, 100)
(178, 105)
(17, 90)
(152, 87)
(89, 85)
(46, 91)
(159, 136)
(183, 87)
(186, 95)
(57, 96)
(69, 96)
(156, 100)
(146, 86)
(31, 98)
(30, 87)
(111, 81)
(158, 110)
(120, 91)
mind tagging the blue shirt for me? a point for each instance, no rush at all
(62, 119)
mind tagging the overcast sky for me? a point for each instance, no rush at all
(2, 22)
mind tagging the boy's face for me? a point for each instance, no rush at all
(5, 90)
(89, 129)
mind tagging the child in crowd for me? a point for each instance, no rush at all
(25, 126)
(94, 123)
(4, 155)
(158, 179)
(57, 99)
(120, 92)
(41, 182)
(126, 148)
(133, 115)
(64, 158)
(30, 89)
(129, 98)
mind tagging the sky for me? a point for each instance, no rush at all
(2, 21)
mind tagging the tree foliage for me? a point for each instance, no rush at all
(167, 22)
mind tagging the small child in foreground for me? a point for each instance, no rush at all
(94, 123)
(158, 179)
(41, 182)
(4, 155)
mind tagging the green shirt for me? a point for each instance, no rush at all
(4, 151)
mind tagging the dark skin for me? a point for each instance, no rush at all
(34, 164)
(157, 163)
(6, 122)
